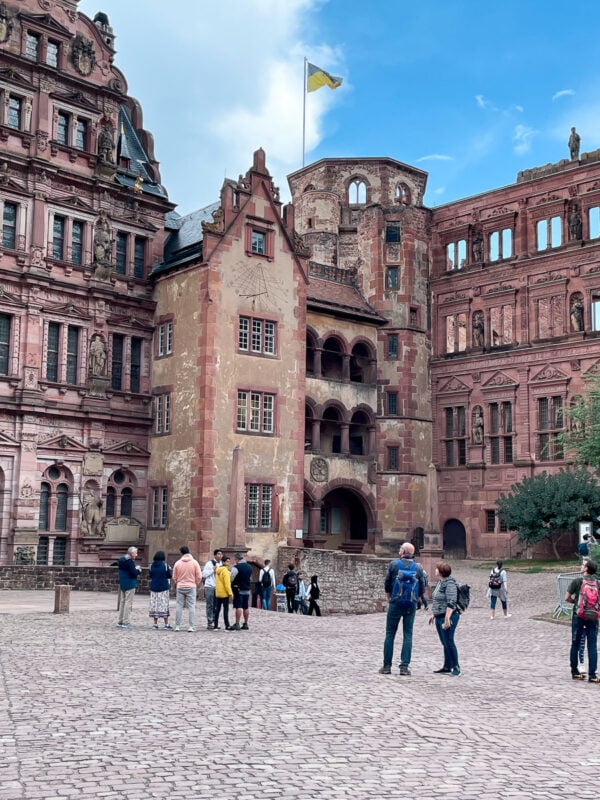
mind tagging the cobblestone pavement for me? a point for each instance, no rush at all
(292, 708)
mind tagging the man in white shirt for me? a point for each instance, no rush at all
(208, 576)
(266, 578)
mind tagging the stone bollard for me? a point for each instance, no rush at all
(62, 595)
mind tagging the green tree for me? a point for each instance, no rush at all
(583, 437)
(550, 506)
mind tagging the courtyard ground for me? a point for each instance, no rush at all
(292, 708)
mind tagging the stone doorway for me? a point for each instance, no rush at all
(455, 540)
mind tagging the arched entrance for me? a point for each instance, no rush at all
(455, 539)
(340, 523)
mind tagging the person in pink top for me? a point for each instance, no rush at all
(186, 576)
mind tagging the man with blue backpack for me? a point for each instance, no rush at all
(405, 585)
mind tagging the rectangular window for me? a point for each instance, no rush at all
(116, 373)
(59, 551)
(392, 458)
(548, 233)
(52, 54)
(52, 351)
(121, 253)
(62, 128)
(392, 345)
(392, 234)
(500, 421)
(58, 238)
(257, 336)
(81, 134)
(259, 506)
(162, 413)
(259, 242)
(160, 506)
(490, 521)
(392, 403)
(500, 244)
(136, 364)
(456, 333)
(456, 255)
(72, 353)
(165, 339)
(42, 548)
(550, 425)
(15, 113)
(9, 226)
(391, 278)
(255, 412)
(594, 222)
(77, 242)
(455, 438)
(32, 46)
(4, 343)
(139, 253)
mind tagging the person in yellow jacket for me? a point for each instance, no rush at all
(223, 592)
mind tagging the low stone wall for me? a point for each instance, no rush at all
(89, 579)
(350, 584)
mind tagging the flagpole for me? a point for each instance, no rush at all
(304, 112)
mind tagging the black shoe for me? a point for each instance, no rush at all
(443, 670)
(578, 676)
(385, 670)
(455, 672)
(404, 671)
(235, 627)
(245, 627)
(593, 679)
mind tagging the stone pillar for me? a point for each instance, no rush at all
(316, 436)
(346, 367)
(371, 441)
(345, 433)
(62, 596)
(317, 362)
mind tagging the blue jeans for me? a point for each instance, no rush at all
(394, 615)
(266, 597)
(447, 639)
(581, 629)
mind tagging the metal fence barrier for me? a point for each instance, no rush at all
(562, 584)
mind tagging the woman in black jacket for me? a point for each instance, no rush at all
(313, 595)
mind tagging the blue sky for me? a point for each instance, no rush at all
(470, 92)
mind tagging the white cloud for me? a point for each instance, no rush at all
(440, 190)
(481, 101)
(212, 94)
(435, 157)
(562, 93)
(519, 108)
(522, 137)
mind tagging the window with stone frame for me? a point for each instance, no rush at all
(595, 310)
(9, 226)
(139, 256)
(501, 325)
(77, 229)
(164, 339)
(255, 412)
(393, 458)
(257, 336)
(119, 494)
(259, 506)
(160, 507)
(121, 242)
(393, 232)
(500, 421)
(550, 426)
(135, 368)
(32, 45)
(14, 114)
(455, 437)
(392, 345)
(162, 413)
(456, 333)
(52, 53)
(357, 192)
(490, 520)
(500, 244)
(456, 255)
(72, 130)
(55, 489)
(392, 278)
(59, 225)
(5, 329)
(72, 360)
(391, 403)
(550, 317)
(548, 233)
(62, 353)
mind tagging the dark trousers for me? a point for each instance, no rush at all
(222, 602)
(313, 606)
(580, 630)
(290, 596)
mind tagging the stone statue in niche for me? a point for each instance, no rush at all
(91, 516)
(106, 144)
(477, 246)
(24, 555)
(574, 223)
(97, 359)
(102, 248)
(478, 329)
(477, 427)
(576, 313)
(6, 23)
(574, 145)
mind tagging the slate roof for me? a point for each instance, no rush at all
(340, 298)
(184, 242)
(130, 147)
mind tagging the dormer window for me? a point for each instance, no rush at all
(258, 242)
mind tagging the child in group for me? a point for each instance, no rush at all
(313, 595)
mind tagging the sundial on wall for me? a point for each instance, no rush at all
(255, 280)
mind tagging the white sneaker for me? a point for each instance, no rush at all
(177, 627)
(506, 616)
(191, 630)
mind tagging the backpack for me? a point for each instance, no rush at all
(405, 588)
(265, 581)
(463, 596)
(495, 581)
(292, 580)
(588, 602)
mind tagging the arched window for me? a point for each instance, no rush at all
(359, 440)
(126, 502)
(402, 194)
(331, 431)
(62, 496)
(332, 360)
(360, 364)
(111, 495)
(44, 508)
(357, 192)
